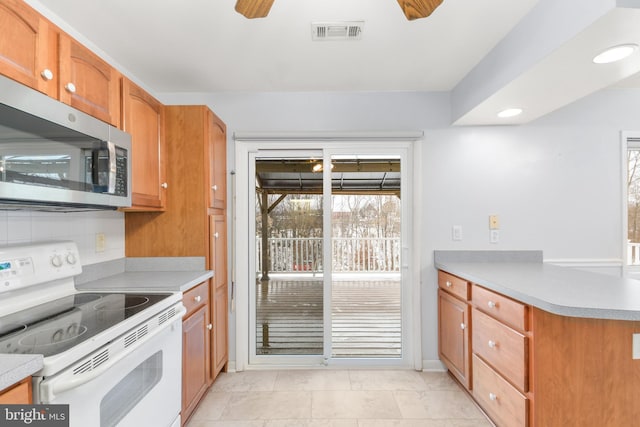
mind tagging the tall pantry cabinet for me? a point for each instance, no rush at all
(193, 223)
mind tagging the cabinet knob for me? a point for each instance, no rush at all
(209, 326)
(216, 235)
(448, 284)
(197, 298)
(214, 187)
(492, 304)
(46, 74)
(70, 87)
(164, 185)
(493, 397)
(462, 326)
(492, 344)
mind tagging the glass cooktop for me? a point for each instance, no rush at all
(58, 325)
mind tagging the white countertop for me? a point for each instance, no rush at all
(172, 281)
(15, 367)
(559, 290)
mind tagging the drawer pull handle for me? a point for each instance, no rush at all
(197, 298)
(164, 185)
(492, 344)
(493, 397)
(209, 326)
(214, 187)
(462, 326)
(70, 87)
(448, 284)
(492, 304)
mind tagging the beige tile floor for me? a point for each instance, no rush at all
(336, 398)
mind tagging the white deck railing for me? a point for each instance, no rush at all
(372, 254)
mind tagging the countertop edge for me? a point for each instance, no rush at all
(16, 367)
(543, 304)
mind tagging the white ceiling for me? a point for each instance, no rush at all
(205, 45)
(466, 47)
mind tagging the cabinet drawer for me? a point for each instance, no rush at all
(502, 347)
(508, 311)
(454, 285)
(505, 405)
(195, 298)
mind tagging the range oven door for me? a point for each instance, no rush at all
(136, 388)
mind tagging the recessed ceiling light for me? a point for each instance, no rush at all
(615, 53)
(510, 112)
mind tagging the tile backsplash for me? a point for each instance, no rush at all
(82, 227)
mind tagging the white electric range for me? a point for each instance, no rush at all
(114, 358)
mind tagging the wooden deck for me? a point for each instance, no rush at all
(366, 317)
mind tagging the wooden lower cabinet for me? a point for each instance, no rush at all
(196, 371)
(533, 368)
(17, 394)
(453, 336)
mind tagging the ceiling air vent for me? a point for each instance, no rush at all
(348, 30)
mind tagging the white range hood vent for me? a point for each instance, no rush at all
(338, 30)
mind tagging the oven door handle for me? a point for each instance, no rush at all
(55, 386)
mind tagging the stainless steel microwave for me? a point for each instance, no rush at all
(55, 157)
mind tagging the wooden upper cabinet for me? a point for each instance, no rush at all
(217, 132)
(87, 82)
(28, 47)
(143, 117)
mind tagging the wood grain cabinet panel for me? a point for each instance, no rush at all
(454, 285)
(143, 118)
(502, 401)
(195, 357)
(28, 47)
(506, 310)
(505, 349)
(217, 134)
(453, 336)
(220, 303)
(17, 394)
(87, 82)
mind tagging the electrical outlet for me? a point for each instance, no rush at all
(494, 222)
(635, 352)
(101, 242)
(494, 236)
(456, 232)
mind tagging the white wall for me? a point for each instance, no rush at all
(82, 227)
(555, 183)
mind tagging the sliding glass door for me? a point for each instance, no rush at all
(326, 285)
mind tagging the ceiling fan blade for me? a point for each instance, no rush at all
(416, 9)
(254, 8)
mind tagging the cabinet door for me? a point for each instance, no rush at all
(217, 162)
(19, 394)
(195, 359)
(453, 336)
(88, 83)
(142, 117)
(28, 47)
(218, 227)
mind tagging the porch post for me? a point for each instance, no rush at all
(264, 210)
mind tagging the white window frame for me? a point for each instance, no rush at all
(630, 140)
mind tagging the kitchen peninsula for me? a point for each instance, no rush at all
(537, 344)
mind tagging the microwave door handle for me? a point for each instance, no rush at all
(95, 168)
(58, 385)
(111, 147)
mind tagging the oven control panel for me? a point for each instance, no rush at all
(22, 266)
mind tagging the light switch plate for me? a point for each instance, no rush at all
(494, 222)
(456, 232)
(635, 351)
